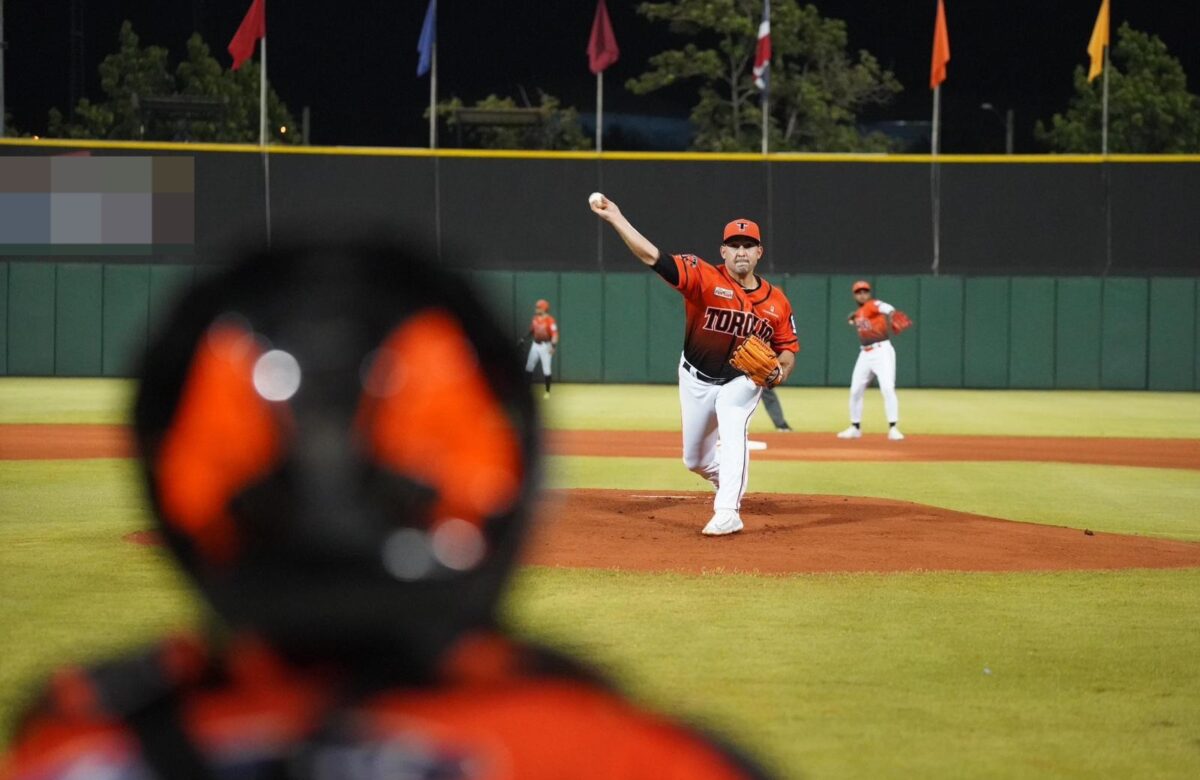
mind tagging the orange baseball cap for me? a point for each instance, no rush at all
(542, 303)
(861, 285)
(742, 227)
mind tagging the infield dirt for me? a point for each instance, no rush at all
(788, 533)
(785, 533)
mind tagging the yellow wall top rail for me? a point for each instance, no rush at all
(512, 154)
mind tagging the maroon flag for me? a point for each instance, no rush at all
(602, 45)
(253, 27)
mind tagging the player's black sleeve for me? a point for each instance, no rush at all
(665, 267)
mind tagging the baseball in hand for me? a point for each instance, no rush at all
(595, 199)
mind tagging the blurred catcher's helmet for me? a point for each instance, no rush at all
(339, 447)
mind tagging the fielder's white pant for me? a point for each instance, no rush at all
(879, 361)
(718, 413)
(539, 350)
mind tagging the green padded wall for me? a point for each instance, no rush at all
(80, 319)
(1031, 329)
(626, 320)
(1173, 334)
(167, 284)
(582, 305)
(1077, 333)
(941, 333)
(124, 322)
(78, 312)
(809, 295)
(31, 319)
(498, 290)
(3, 319)
(665, 331)
(1125, 306)
(985, 332)
(903, 292)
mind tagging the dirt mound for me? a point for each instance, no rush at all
(660, 531)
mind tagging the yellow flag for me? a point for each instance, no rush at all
(1098, 42)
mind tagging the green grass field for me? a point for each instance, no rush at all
(1082, 674)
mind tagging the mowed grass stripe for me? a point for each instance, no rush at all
(932, 675)
(656, 407)
(922, 411)
(1152, 502)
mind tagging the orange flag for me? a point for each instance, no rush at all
(941, 48)
(1098, 42)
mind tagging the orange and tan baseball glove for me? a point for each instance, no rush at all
(755, 358)
(900, 321)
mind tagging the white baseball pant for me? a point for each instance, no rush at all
(715, 414)
(880, 361)
(539, 351)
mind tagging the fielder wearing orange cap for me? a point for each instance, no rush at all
(725, 305)
(543, 336)
(876, 322)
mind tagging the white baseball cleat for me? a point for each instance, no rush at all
(851, 433)
(894, 434)
(724, 521)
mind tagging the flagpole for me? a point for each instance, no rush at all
(262, 135)
(765, 115)
(935, 183)
(262, 96)
(1104, 108)
(599, 111)
(433, 98)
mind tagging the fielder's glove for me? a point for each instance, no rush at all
(757, 360)
(900, 321)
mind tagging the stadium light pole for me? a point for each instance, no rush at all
(1007, 119)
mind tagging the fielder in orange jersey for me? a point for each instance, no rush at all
(304, 449)
(876, 322)
(543, 335)
(724, 305)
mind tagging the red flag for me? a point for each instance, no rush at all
(602, 45)
(941, 49)
(253, 27)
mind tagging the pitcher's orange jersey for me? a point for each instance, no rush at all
(543, 327)
(871, 321)
(720, 315)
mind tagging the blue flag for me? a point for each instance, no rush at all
(428, 36)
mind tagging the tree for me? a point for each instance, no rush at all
(546, 126)
(224, 106)
(1150, 110)
(816, 88)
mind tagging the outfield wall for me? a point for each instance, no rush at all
(90, 319)
(1037, 215)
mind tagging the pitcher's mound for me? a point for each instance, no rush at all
(660, 531)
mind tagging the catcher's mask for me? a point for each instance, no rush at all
(339, 447)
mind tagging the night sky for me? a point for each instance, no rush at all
(354, 63)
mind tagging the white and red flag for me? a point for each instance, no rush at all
(762, 53)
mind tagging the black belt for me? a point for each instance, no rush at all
(703, 377)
